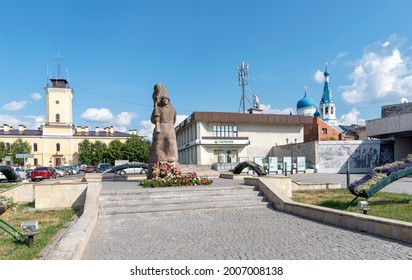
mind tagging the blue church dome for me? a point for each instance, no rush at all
(306, 102)
(316, 114)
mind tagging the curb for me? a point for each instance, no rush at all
(388, 228)
(71, 246)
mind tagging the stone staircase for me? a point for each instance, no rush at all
(139, 200)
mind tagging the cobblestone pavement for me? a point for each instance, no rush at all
(233, 234)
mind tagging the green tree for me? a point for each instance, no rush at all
(3, 150)
(19, 147)
(99, 152)
(136, 149)
(86, 152)
(115, 150)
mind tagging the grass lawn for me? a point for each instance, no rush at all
(50, 223)
(5, 186)
(383, 204)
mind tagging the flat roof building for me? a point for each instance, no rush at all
(207, 138)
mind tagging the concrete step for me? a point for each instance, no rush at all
(191, 189)
(181, 207)
(124, 196)
(139, 200)
(176, 200)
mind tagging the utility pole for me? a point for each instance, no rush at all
(243, 80)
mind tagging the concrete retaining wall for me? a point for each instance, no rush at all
(23, 192)
(60, 196)
(388, 228)
(297, 186)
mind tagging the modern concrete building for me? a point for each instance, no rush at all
(395, 124)
(56, 141)
(208, 138)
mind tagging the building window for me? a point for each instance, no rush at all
(331, 110)
(225, 156)
(35, 147)
(225, 131)
(57, 117)
(324, 131)
(8, 145)
(58, 147)
(326, 111)
(36, 162)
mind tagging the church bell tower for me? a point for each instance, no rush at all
(327, 107)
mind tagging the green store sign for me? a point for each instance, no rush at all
(224, 142)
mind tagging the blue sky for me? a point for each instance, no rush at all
(115, 51)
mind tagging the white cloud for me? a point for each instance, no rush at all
(383, 73)
(267, 109)
(15, 105)
(339, 56)
(352, 118)
(35, 96)
(36, 122)
(180, 118)
(319, 77)
(10, 120)
(120, 122)
(33, 123)
(97, 115)
(146, 130)
(123, 120)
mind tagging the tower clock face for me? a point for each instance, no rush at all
(57, 101)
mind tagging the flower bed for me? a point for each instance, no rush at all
(381, 176)
(165, 175)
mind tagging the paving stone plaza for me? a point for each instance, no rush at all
(256, 233)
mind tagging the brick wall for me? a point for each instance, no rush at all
(320, 131)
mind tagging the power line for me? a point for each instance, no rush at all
(119, 99)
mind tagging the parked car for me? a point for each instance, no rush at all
(66, 172)
(103, 167)
(41, 173)
(2, 177)
(72, 170)
(134, 168)
(9, 173)
(60, 172)
(89, 169)
(22, 174)
(77, 170)
(129, 168)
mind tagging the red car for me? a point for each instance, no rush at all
(41, 173)
(89, 169)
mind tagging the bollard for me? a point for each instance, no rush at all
(286, 169)
(347, 174)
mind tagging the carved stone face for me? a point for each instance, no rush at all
(165, 101)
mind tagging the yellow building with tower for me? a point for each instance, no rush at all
(56, 141)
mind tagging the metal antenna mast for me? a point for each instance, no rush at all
(58, 58)
(243, 80)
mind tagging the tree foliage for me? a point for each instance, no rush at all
(135, 149)
(86, 152)
(18, 147)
